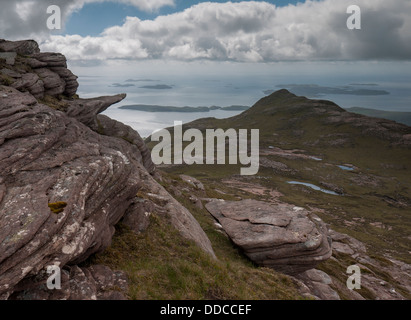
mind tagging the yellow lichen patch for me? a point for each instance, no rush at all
(57, 207)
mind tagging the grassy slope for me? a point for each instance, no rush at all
(162, 265)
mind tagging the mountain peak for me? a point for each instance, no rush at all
(282, 93)
(285, 101)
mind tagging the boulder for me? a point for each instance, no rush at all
(197, 184)
(47, 73)
(87, 111)
(280, 236)
(178, 215)
(107, 126)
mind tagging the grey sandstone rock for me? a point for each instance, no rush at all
(178, 215)
(51, 59)
(137, 216)
(24, 47)
(31, 82)
(53, 84)
(10, 57)
(48, 158)
(67, 177)
(319, 284)
(281, 236)
(197, 184)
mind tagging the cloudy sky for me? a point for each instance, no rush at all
(224, 52)
(247, 31)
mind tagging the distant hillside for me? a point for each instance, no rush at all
(157, 108)
(401, 117)
(318, 124)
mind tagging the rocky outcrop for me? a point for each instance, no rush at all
(67, 176)
(41, 74)
(56, 64)
(63, 187)
(280, 236)
(96, 282)
(24, 47)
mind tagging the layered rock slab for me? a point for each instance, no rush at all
(281, 236)
(67, 176)
(63, 187)
(40, 73)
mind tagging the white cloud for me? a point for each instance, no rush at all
(27, 18)
(249, 31)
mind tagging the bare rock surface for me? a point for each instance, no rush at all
(381, 277)
(281, 236)
(53, 84)
(319, 283)
(137, 216)
(67, 177)
(107, 126)
(40, 73)
(64, 187)
(197, 184)
(96, 282)
(24, 47)
(9, 57)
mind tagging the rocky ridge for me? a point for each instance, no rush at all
(67, 176)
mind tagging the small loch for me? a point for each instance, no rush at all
(345, 168)
(313, 186)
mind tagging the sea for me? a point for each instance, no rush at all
(373, 85)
